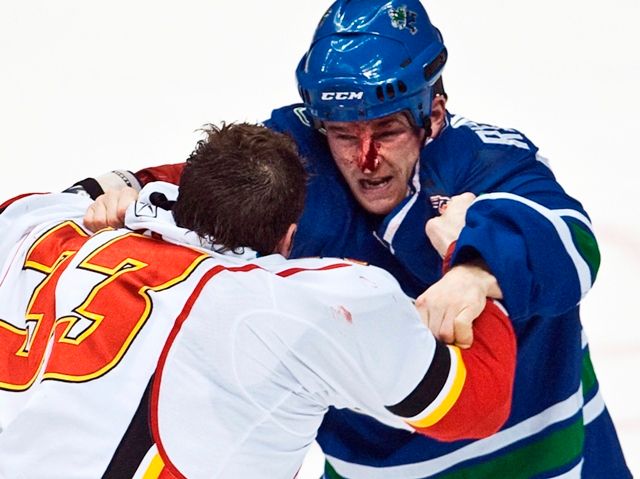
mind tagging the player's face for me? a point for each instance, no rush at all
(376, 158)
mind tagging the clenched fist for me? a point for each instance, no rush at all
(445, 229)
(450, 305)
(108, 209)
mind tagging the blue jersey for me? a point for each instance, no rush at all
(539, 244)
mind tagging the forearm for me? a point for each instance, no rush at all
(110, 181)
(535, 238)
(476, 268)
(119, 179)
(478, 402)
(545, 260)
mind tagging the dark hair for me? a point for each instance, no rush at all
(243, 185)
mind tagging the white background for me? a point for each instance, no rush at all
(88, 86)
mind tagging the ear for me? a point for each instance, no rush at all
(286, 243)
(438, 114)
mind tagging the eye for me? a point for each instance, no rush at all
(388, 134)
(344, 137)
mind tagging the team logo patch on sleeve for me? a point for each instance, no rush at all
(438, 201)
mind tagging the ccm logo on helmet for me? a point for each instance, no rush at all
(342, 95)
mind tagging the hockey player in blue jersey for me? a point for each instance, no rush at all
(385, 155)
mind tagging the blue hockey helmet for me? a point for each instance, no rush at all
(372, 58)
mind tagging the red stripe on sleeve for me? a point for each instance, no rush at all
(170, 173)
(16, 198)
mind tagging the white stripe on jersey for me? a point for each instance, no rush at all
(564, 234)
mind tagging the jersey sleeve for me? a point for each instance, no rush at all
(111, 180)
(536, 239)
(466, 394)
(371, 353)
(10, 201)
(169, 173)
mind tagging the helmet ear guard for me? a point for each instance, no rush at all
(370, 59)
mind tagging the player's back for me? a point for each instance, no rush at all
(281, 341)
(126, 354)
(96, 312)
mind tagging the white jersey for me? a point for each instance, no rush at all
(127, 356)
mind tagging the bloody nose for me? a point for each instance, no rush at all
(369, 157)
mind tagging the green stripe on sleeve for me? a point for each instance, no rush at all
(330, 472)
(588, 378)
(560, 448)
(587, 246)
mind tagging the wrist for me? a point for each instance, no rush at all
(446, 260)
(482, 276)
(118, 179)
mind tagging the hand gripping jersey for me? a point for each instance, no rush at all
(123, 355)
(537, 241)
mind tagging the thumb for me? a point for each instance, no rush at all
(463, 330)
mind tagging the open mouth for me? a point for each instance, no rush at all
(374, 183)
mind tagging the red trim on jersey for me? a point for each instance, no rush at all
(170, 173)
(16, 198)
(169, 467)
(165, 473)
(446, 261)
(292, 271)
(485, 401)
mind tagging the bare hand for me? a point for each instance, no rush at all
(449, 307)
(445, 229)
(108, 209)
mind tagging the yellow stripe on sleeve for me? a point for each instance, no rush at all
(451, 397)
(155, 468)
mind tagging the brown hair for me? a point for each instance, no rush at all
(243, 185)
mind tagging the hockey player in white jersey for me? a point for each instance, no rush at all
(186, 345)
